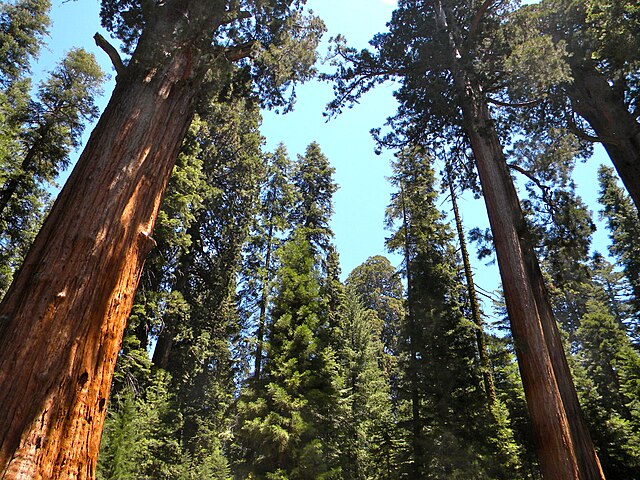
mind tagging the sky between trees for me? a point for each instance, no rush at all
(363, 195)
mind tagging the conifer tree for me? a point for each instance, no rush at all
(186, 302)
(623, 224)
(442, 379)
(286, 423)
(608, 376)
(103, 219)
(366, 439)
(378, 287)
(49, 130)
(613, 290)
(313, 181)
(23, 24)
(457, 50)
(600, 101)
(271, 224)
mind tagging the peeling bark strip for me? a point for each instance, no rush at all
(63, 318)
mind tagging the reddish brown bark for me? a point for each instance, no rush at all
(565, 449)
(551, 428)
(593, 98)
(62, 320)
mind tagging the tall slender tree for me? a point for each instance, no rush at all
(442, 380)
(270, 227)
(286, 422)
(366, 431)
(313, 180)
(448, 47)
(623, 224)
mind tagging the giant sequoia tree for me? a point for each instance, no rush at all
(601, 100)
(64, 314)
(448, 56)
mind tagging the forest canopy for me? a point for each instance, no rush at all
(178, 309)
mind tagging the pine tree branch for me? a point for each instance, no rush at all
(111, 51)
(580, 133)
(543, 188)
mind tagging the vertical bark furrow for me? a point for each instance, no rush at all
(57, 433)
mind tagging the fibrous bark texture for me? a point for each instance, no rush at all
(565, 448)
(62, 320)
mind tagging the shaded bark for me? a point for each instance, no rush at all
(62, 320)
(263, 306)
(594, 99)
(565, 452)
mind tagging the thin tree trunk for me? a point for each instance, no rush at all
(534, 329)
(11, 186)
(416, 421)
(487, 373)
(63, 318)
(593, 98)
(9, 189)
(263, 306)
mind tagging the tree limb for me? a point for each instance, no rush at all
(477, 18)
(578, 132)
(529, 103)
(543, 188)
(111, 51)
(239, 52)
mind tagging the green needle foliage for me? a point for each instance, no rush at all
(448, 423)
(608, 374)
(246, 356)
(287, 422)
(368, 438)
(36, 134)
(624, 230)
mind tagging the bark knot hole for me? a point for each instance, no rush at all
(101, 404)
(82, 379)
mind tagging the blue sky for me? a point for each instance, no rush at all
(364, 191)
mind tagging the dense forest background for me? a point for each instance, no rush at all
(250, 353)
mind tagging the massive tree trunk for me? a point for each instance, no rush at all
(550, 424)
(593, 98)
(564, 446)
(62, 320)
